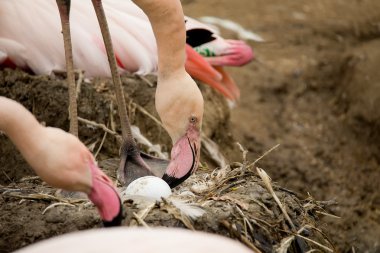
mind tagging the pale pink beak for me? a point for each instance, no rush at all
(238, 53)
(184, 158)
(105, 197)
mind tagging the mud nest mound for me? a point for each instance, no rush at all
(232, 201)
(238, 200)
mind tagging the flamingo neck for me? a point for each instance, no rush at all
(19, 125)
(169, 30)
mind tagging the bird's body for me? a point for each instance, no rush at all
(137, 240)
(30, 36)
(25, 43)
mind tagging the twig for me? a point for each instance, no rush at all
(244, 151)
(264, 176)
(10, 180)
(255, 219)
(321, 233)
(145, 112)
(36, 196)
(230, 199)
(140, 220)
(150, 84)
(5, 190)
(146, 211)
(101, 145)
(57, 204)
(263, 206)
(99, 125)
(41, 196)
(314, 242)
(25, 179)
(246, 221)
(328, 214)
(131, 110)
(285, 244)
(142, 214)
(263, 155)
(231, 185)
(91, 146)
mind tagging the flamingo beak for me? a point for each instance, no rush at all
(105, 198)
(184, 160)
(199, 68)
(238, 54)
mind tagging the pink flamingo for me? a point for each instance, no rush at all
(30, 38)
(26, 44)
(60, 159)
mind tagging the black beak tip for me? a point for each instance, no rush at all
(115, 222)
(173, 181)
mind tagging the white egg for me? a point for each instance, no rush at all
(149, 186)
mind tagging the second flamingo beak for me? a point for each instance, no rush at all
(105, 197)
(184, 158)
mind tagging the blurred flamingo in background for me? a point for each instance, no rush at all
(25, 42)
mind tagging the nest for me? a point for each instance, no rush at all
(238, 200)
(241, 202)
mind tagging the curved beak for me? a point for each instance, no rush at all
(105, 197)
(184, 160)
(199, 68)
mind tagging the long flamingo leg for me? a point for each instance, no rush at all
(124, 121)
(130, 154)
(64, 12)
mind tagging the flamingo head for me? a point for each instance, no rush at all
(226, 52)
(60, 159)
(218, 51)
(179, 103)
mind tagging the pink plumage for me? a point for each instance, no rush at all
(30, 38)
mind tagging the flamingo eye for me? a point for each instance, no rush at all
(193, 119)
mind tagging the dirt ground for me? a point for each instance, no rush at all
(314, 89)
